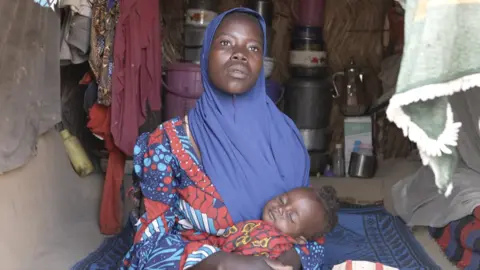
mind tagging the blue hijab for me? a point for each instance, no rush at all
(251, 151)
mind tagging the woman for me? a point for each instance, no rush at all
(222, 162)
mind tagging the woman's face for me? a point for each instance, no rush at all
(236, 54)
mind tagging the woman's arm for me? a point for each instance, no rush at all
(232, 254)
(155, 169)
(291, 258)
(229, 261)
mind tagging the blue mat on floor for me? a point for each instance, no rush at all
(372, 234)
(110, 254)
(369, 233)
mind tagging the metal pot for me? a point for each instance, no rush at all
(362, 165)
(308, 57)
(264, 8)
(193, 35)
(308, 102)
(316, 139)
(203, 4)
(318, 162)
(192, 54)
(307, 32)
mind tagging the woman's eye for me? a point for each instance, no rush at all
(225, 43)
(254, 49)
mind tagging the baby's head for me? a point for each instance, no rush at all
(303, 213)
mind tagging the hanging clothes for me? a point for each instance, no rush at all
(111, 205)
(75, 42)
(104, 18)
(136, 77)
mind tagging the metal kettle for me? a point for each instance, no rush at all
(353, 98)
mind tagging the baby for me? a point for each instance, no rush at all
(295, 217)
(303, 213)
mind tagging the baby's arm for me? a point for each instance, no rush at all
(257, 238)
(249, 238)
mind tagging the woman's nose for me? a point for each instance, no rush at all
(238, 56)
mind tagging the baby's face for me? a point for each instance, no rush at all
(296, 213)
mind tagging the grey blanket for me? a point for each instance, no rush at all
(29, 79)
(440, 58)
(416, 198)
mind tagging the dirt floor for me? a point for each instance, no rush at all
(49, 214)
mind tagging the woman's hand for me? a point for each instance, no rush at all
(229, 261)
(239, 262)
(276, 265)
(291, 258)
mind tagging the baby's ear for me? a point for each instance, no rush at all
(301, 240)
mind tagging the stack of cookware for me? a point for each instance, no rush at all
(183, 79)
(308, 95)
(265, 9)
(199, 13)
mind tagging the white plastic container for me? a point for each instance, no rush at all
(268, 65)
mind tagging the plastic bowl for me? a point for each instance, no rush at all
(268, 65)
(274, 90)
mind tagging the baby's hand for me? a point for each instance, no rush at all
(276, 265)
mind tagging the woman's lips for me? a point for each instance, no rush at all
(238, 71)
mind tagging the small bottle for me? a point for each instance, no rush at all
(338, 161)
(76, 153)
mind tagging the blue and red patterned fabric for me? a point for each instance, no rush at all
(248, 238)
(179, 197)
(460, 240)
